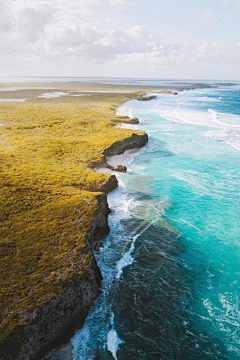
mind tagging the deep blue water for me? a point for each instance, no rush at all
(171, 264)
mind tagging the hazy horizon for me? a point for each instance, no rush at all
(116, 78)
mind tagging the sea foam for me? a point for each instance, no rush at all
(113, 340)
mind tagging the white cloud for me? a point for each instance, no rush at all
(61, 34)
(5, 16)
(135, 31)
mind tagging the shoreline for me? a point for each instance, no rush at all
(119, 159)
(114, 160)
(56, 307)
(114, 154)
(55, 320)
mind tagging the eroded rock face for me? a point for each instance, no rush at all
(55, 322)
(134, 141)
(107, 186)
(52, 324)
(100, 225)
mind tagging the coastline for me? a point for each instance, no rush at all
(119, 160)
(124, 148)
(115, 160)
(58, 332)
(95, 319)
(118, 156)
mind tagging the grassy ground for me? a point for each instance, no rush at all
(47, 198)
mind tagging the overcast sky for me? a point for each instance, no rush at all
(122, 38)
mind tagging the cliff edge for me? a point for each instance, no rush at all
(53, 207)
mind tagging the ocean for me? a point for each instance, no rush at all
(145, 82)
(171, 263)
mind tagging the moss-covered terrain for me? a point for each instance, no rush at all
(48, 197)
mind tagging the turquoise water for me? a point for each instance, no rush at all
(171, 264)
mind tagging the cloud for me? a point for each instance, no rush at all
(5, 16)
(55, 34)
(205, 18)
(89, 41)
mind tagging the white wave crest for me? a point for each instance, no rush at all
(113, 340)
(127, 259)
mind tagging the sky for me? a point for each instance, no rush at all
(185, 39)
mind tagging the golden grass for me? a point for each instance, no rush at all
(46, 190)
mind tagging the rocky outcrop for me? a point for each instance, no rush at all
(134, 141)
(120, 168)
(100, 225)
(128, 120)
(52, 324)
(107, 186)
(117, 148)
(146, 98)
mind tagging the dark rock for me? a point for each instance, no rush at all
(120, 168)
(101, 228)
(98, 246)
(107, 186)
(55, 322)
(132, 142)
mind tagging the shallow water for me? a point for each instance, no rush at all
(171, 264)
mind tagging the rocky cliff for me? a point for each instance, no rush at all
(53, 323)
(43, 327)
(134, 141)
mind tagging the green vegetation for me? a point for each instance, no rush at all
(47, 153)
